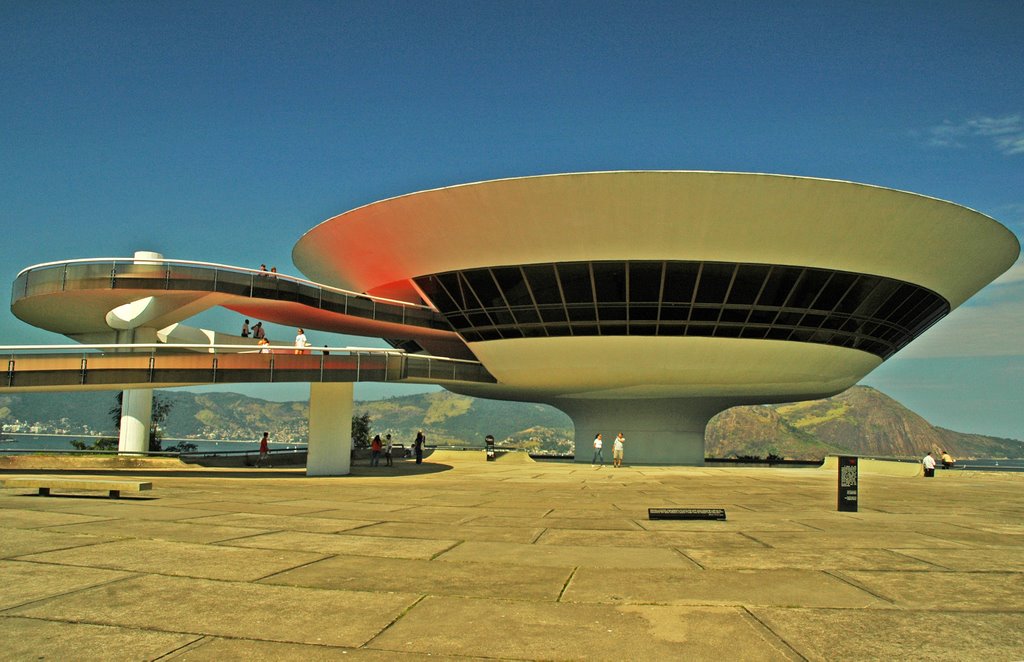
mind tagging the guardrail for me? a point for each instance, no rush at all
(142, 364)
(185, 275)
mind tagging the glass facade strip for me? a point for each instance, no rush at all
(685, 298)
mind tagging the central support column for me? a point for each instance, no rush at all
(657, 431)
(330, 429)
(136, 417)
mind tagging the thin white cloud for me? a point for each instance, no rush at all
(1005, 133)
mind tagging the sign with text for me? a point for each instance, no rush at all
(848, 484)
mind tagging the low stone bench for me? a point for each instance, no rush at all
(47, 483)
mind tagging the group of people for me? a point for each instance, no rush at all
(272, 273)
(385, 446)
(618, 449)
(929, 463)
(256, 331)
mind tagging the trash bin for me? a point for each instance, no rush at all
(489, 441)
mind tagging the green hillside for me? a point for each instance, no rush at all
(860, 420)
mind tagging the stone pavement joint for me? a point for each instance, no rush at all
(499, 561)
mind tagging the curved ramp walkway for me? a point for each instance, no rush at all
(80, 368)
(42, 293)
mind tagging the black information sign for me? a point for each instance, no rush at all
(848, 484)
(489, 443)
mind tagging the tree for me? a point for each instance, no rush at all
(361, 430)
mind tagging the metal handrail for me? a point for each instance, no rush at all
(145, 261)
(234, 349)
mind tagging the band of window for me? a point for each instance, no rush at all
(685, 298)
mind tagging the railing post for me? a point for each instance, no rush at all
(152, 366)
(10, 371)
(63, 280)
(358, 365)
(214, 379)
(84, 369)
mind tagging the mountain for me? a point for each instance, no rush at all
(860, 421)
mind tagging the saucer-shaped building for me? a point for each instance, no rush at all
(646, 302)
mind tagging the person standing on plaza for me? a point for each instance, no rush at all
(257, 331)
(301, 342)
(375, 447)
(617, 451)
(264, 450)
(418, 446)
(387, 451)
(245, 329)
(598, 444)
(929, 466)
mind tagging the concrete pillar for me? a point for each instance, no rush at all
(136, 418)
(657, 431)
(330, 429)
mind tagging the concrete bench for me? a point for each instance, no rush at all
(47, 483)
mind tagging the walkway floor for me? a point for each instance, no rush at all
(459, 558)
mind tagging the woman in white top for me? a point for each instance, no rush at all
(300, 342)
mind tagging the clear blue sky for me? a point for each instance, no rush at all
(223, 131)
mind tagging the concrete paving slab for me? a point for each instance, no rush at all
(265, 523)
(717, 587)
(450, 532)
(603, 524)
(694, 540)
(529, 630)
(860, 634)
(21, 583)
(326, 543)
(230, 609)
(564, 555)
(30, 639)
(16, 542)
(808, 559)
(104, 508)
(972, 560)
(37, 519)
(178, 558)
(966, 591)
(853, 540)
(156, 530)
(259, 508)
(212, 649)
(489, 580)
(747, 522)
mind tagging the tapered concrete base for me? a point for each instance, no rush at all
(330, 430)
(657, 431)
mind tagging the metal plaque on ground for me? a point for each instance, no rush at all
(686, 513)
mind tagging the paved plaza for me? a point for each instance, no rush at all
(459, 558)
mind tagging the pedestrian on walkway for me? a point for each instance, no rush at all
(597, 450)
(245, 329)
(387, 451)
(301, 342)
(617, 451)
(375, 447)
(929, 466)
(264, 450)
(418, 446)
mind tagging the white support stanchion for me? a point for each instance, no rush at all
(136, 417)
(330, 429)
